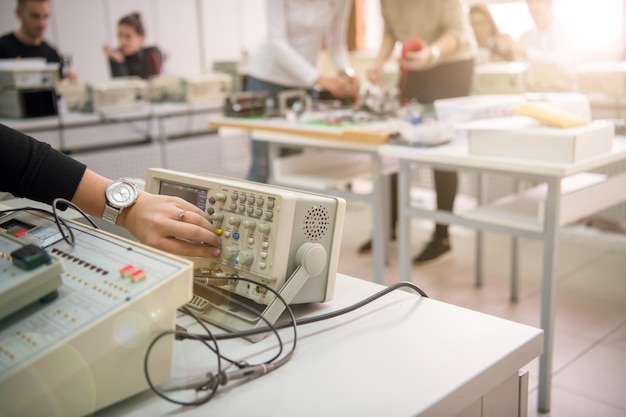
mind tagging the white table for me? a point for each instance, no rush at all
(75, 131)
(559, 206)
(402, 355)
(126, 143)
(345, 153)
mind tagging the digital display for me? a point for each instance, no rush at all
(196, 196)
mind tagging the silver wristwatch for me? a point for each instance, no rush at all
(119, 195)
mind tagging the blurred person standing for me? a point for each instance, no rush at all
(288, 57)
(28, 40)
(438, 57)
(550, 42)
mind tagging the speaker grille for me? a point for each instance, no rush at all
(316, 223)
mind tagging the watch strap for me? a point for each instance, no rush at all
(110, 213)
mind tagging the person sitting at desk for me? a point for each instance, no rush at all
(33, 169)
(27, 41)
(131, 57)
(288, 57)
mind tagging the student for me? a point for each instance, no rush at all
(288, 57)
(441, 68)
(131, 57)
(550, 42)
(33, 169)
(488, 37)
(27, 41)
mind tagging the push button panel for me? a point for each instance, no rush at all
(244, 220)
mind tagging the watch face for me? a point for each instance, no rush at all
(121, 194)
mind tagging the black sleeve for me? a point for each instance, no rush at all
(33, 169)
(118, 69)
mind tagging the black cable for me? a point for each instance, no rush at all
(203, 387)
(245, 370)
(257, 370)
(270, 327)
(75, 207)
(309, 320)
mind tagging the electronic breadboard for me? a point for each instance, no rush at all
(286, 239)
(84, 350)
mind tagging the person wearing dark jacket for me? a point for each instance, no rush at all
(131, 57)
(33, 169)
(27, 41)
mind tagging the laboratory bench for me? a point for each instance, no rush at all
(401, 355)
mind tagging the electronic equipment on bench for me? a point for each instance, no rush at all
(83, 350)
(28, 88)
(286, 239)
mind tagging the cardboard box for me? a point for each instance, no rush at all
(522, 137)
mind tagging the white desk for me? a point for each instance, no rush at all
(402, 355)
(558, 208)
(326, 172)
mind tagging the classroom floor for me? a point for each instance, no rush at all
(589, 362)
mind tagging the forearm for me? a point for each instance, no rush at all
(89, 195)
(447, 43)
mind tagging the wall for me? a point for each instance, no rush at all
(191, 33)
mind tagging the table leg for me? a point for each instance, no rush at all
(480, 237)
(380, 237)
(404, 221)
(548, 290)
(514, 269)
(273, 153)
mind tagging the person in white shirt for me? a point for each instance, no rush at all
(288, 57)
(550, 42)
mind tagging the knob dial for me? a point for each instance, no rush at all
(246, 257)
(230, 252)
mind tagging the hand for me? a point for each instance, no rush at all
(156, 220)
(504, 44)
(335, 85)
(70, 75)
(351, 84)
(416, 60)
(114, 54)
(375, 74)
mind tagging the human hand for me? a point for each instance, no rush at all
(335, 85)
(156, 220)
(375, 74)
(70, 75)
(351, 83)
(416, 59)
(114, 54)
(504, 44)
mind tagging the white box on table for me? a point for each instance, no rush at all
(522, 137)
